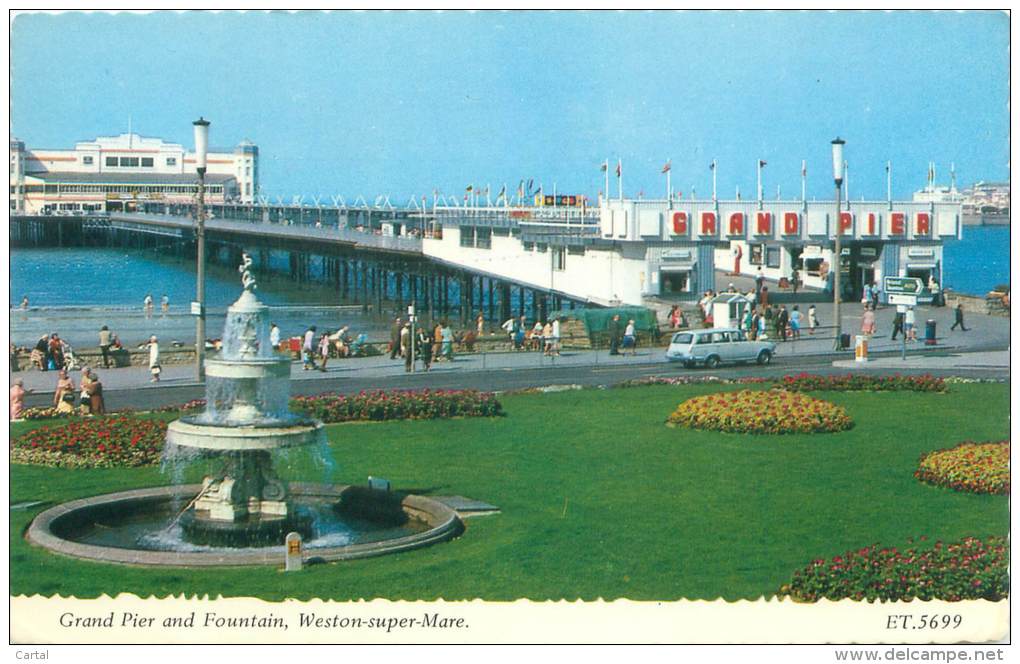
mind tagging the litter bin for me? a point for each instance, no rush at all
(844, 341)
(929, 332)
(861, 348)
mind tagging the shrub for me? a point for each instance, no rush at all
(102, 442)
(398, 405)
(969, 569)
(971, 467)
(804, 382)
(760, 411)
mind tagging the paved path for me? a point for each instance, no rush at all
(991, 360)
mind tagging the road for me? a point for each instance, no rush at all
(519, 378)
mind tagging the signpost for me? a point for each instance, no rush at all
(902, 292)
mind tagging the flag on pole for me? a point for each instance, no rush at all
(619, 168)
(502, 193)
(711, 166)
(761, 163)
(470, 187)
(667, 166)
(605, 166)
(803, 169)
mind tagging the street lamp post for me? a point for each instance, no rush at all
(837, 176)
(201, 148)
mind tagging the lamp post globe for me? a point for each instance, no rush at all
(837, 261)
(201, 149)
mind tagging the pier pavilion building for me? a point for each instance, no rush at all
(629, 251)
(118, 173)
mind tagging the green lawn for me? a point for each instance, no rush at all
(598, 499)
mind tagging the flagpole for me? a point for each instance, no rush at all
(714, 169)
(619, 177)
(759, 184)
(606, 169)
(888, 183)
(846, 183)
(803, 181)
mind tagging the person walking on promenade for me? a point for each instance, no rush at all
(795, 322)
(674, 317)
(105, 341)
(536, 336)
(324, 344)
(748, 321)
(866, 297)
(164, 304)
(908, 324)
(796, 280)
(147, 305)
(395, 338)
(874, 296)
(959, 318)
(752, 330)
(154, 367)
(63, 394)
(437, 342)
(39, 352)
(556, 336)
(764, 296)
(614, 335)
(409, 343)
(56, 353)
(897, 324)
(510, 327)
(480, 325)
(547, 338)
(18, 393)
(85, 386)
(274, 336)
(868, 321)
(759, 282)
(425, 347)
(447, 336)
(812, 319)
(782, 320)
(307, 350)
(630, 338)
(405, 338)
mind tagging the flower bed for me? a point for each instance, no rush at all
(761, 412)
(398, 405)
(691, 380)
(804, 382)
(969, 569)
(971, 467)
(102, 442)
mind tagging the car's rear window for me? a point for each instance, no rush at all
(683, 338)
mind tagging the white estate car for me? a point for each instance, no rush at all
(710, 347)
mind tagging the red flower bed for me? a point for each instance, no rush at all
(971, 467)
(804, 382)
(970, 569)
(102, 442)
(398, 405)
(760, 412)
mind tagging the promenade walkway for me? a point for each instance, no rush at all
(986, 333)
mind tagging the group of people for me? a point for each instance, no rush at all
(540, 336)
(783, 323)
(88, 395)
(622, 338)
(322, 346)
(51, 353)
(426, 342)
(148, 306)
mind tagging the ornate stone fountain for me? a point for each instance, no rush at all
(246, 418)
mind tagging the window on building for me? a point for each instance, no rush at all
(483, 238)
(576, 250)
(87, 160)
(529, 246)
(111, 161)
(467, 236)
(542, 247)
(147, 162)
(772, 256)
(247, 170)
(559, 258)
(129, 162)
(171, 161)
(247, 188)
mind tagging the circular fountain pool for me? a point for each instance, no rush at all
(138, 527)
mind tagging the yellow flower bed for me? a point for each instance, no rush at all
(970, 467)
(760, 411)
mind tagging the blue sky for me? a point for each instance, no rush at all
(402, 103)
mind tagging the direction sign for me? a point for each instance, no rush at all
(896, 298)
(903, 285)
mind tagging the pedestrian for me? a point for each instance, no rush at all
(307, 352)
(105, 341)
(674, 317)
(795, 322)
(812, 319)
(796, 280)
(425, 346)
(395, 338)
(959, 318)
(40, 354)
(324, 344)
(480, 325)
(897, 323)
(759, 281)
(147, 305)
(24, 303)
(97, 405)
(63, 394)
(866, 298)
(909, 329)
(437, 342)
(556, 336)
(405, 339)
(874, 296)
(56, 352)
(164, 304)
(536, 336)
(752, 331)
(274, 336)
(748, 320)
(447, 337)
(154, 367)
(868, 321)
(765, 296)
(509, 327)
(762, 322)
(936, 291)
(86, 383)
(15, 367)
(782, 320)
(630, 337)
(547, 338)
(408, 347)
(18, 393)
(614, 335)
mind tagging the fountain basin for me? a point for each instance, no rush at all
(189, 432)
(68, 528)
